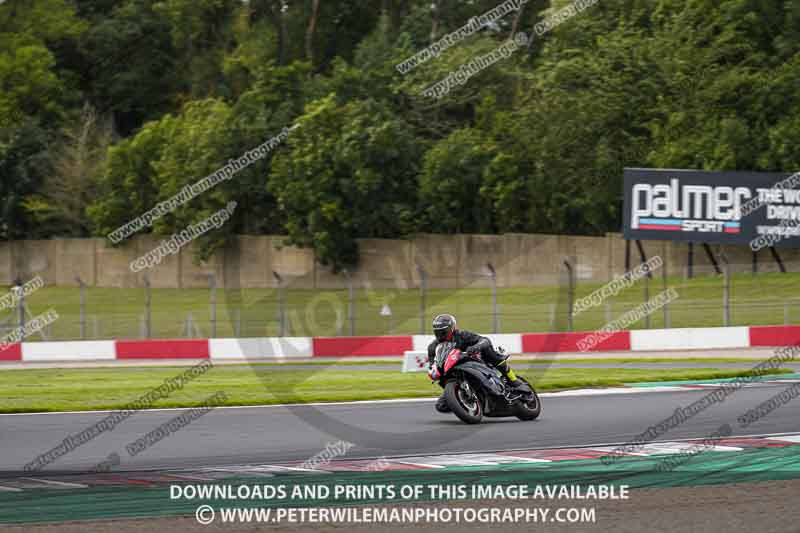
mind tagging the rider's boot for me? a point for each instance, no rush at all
(441, 405)
(511, 378)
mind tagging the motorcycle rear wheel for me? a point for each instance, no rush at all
(465, 403)
(530, 409)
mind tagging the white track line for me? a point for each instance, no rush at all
(560, 394)
(58, 483)
(606, 446)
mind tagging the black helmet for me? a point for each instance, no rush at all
(443, 327)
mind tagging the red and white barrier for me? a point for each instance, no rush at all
(689, 338)
(568, 342)
(163, 349)
(512, 342)
(774, 335)
(55, 351)
(304, 347)
(361, 346)
(261, 348)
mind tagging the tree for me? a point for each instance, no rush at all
(450, 184)
(24, 161)
(350, 172)
(158, 162)
(60, 206)
(130, 65)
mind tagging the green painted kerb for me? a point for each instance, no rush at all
(708, 468)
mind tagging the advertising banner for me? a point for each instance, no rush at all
(712, 207)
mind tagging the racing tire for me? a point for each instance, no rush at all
(530, 409)
(468, 409)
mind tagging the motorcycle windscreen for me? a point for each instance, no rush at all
(442, 351)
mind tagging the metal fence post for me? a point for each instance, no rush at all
(82, 319)
(570, 293)
(647, 299)
(281, 303)
(493, 276)
(147, 308)
(350, 303)
(726, 292)
(21, 307)
(212, 283)
(664, 287)
(423, 282)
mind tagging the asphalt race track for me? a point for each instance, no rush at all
(261, 435)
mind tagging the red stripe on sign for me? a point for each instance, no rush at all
(660, 227)
(568, 342)
(774, 335)
(11, 352)
(372, 346)
(168, 349)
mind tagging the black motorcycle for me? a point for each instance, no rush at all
(473, 389)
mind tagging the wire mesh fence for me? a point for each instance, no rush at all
(705, 300)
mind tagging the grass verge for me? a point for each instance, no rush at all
(521, 361)
(47, 390)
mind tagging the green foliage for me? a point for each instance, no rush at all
(135, 35)
(187, 148)
(24, 161)
(537, 142)
(69, 187)
(450, 182)
(350, 172)
(129, 185)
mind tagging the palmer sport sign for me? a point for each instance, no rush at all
(712, 207)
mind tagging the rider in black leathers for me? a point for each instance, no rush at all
(445, 330)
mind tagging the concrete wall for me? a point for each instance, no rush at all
(113, 265)
(76, 259)
(449, 261)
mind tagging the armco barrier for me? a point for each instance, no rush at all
(361, 346)
(512, 342)
(689, 338)
(774, 335)
(78, 350)
(568, 342)
(12, 352)
(300, 347)
(167, 349)
(261, 348)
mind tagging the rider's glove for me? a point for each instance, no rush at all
(473, 350)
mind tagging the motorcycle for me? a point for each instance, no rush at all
(473, 389)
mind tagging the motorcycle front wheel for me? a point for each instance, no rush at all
(465, 403)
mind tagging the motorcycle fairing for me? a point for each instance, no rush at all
(487, 377)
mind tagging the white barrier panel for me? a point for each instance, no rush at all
(69, 351)
(261, 348)
(420, 342)
(512, 342)
(415, 361)
(689, 338)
